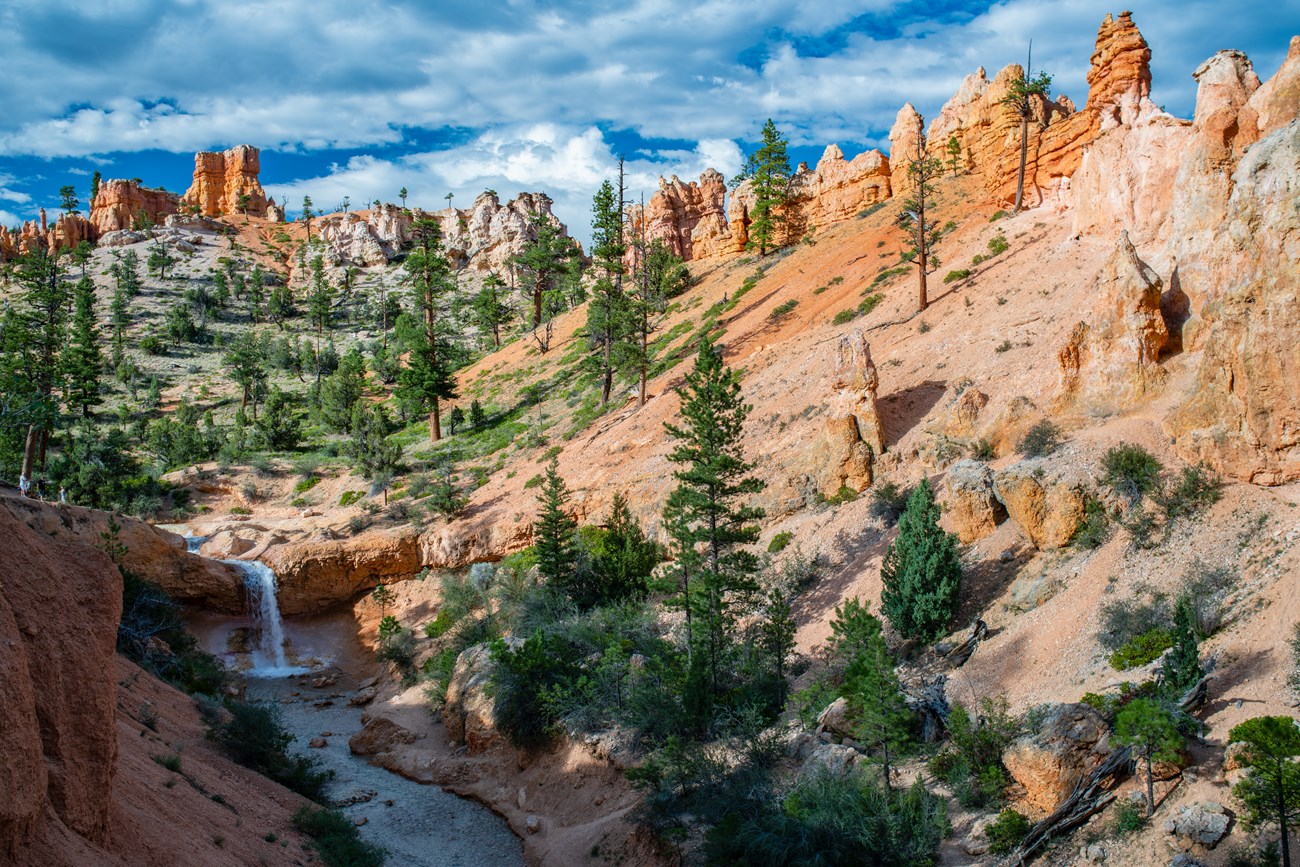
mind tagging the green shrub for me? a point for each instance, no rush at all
(1145, 648)
(1006, 831)
(148, 613)
(999, 215)
(1131, 471)
(972, 762)
(1094, 529)
(1040, 440)
(1004, 346)
(844, 495)
(783, 309)
(888, 501)
(954, 276)
(240, 510)
(349, 497)
(534, 482)
(998, 244)
(335, 838)
(844, 316)
(869, 303)
(870, 209)
(254, 736)
(779, 542)
(526, 680)
(1196, 488)
(1130, 817)
(1125, 619)
(306, 484)
(171, 762)
(982, 450)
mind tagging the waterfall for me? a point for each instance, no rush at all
(260, 581)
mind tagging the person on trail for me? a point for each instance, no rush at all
(63, 494)
(40, 489)
(23, 485)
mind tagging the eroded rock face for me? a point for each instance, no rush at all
(222, 179)
(837, 189)
(1044, 498)
(1243, 415)
(151, 552)
(1071, 741)
(906, 142)
(119, 203)
(973, 507)
(1113, 359)
(469, 711)
(853, 437)
(58, 704)
(314, 575)
(689, 218)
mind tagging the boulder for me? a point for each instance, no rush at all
(1070, 742)
(1198, 827)
(973, 509)
(316, 574)
(1045, 498)
(469, 712)
(225, 545)
(379, 735)
(835, 719)
(834, 759)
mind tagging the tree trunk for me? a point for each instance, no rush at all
(1281, 821)
(29, 450)
(537, 306)
(1024, 157)
(608, 384)
(1151, 789)
(435, 423)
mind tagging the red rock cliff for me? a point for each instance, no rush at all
(220, 179)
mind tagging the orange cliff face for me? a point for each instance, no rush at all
(120, 203)
(221, 179)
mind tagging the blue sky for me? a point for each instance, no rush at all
(359, 98)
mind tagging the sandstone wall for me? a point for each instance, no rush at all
(221, 178)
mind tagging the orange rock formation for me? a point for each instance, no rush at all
(220, 179)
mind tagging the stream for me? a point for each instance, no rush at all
(282, 661)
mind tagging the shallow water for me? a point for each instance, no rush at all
(425, 825)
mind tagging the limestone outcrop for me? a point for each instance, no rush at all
(150, 552)
(227, 183)
(1071, 741)
(1045, 498)
(469, 712)
(58, 702)
(853, 437)
(973, 509)
(119, 204)
(906, 142)
(689, 218)
(1113, 359)
(838, 189)
(313, 575)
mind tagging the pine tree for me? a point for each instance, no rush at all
(543, 262)
(776, 635)
(553, 531)
(95, 180)
(916, 218)
(489, 309)
(1149, 729)
(622, 558)
(477, 417)
(246, 366)
(120, 319)
(705, 514)
(82, 358)
(1270, 790)
(307, 214)
(36, 349)
(1024, 92)
(768, 170)
(320, 301)
(607, 314)
(658, 274)
(1181, 669)
(342, 390)
(68, 199)
(879, 711)
(160, 259)
(455, 419)
(279, 428)
(954, 153)
(401, 194)
(428, 378)
(921, 571)
(371, 452)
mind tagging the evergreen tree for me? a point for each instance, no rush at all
(1270, 790)
(220, 288)
(342, 390)
(1181, 669)
(82, 358)
(68, 199)
(320, 301)
(543, 261)
(95, 180)
(428, 378)
(120, 318)
(553, 532)
(246, 366)
(1149, 729)
(489, 309)
(371, 452)
(401, 194)
(622, 558)
(917, 219)
(706, 516)
(921, 571)
(776, 636)
(768, 171)
(160, 259)
(81, 254)
(446, 498)
(279, 428)
(607, 314)
(1024, 92)
(477, 417)
(456, 419)
(954, 153)
(37, 338)
(307, 214)
(880, 715)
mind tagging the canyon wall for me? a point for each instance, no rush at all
(222, 179)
